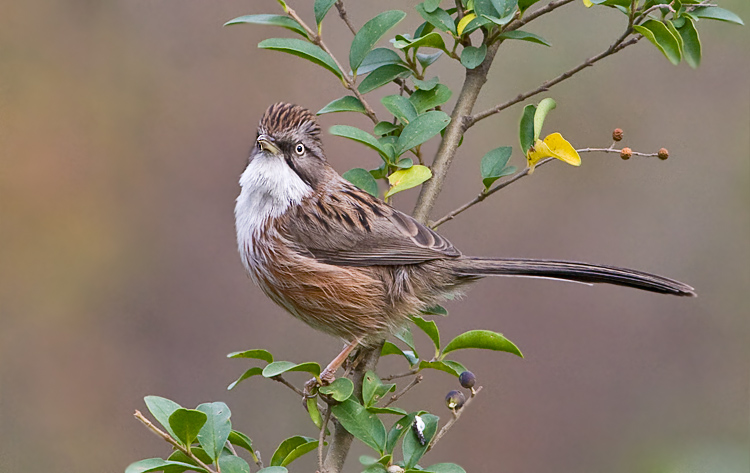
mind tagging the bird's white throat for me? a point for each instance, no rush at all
(269, 188)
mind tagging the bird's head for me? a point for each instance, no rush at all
(291, 134)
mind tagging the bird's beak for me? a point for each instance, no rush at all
(265, 142)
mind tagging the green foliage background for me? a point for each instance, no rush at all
(124, 126)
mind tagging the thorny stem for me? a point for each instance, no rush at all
(450, 423)
(168, 438)
(349, 81)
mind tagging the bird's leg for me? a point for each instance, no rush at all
(327, 375)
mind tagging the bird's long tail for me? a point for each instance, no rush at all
(571, 271)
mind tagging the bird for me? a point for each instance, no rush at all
(348, 264)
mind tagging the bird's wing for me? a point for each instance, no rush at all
(348, 227)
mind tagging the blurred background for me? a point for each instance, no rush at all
(124, 126)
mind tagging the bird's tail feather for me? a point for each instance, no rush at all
(571, 271)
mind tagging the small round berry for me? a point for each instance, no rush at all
(455, 400)
(617, 134)
(663, 154)
(626, 153)
(467, 379)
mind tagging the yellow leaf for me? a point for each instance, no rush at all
(588, 3)
(464, 22)
(407, 178)
(553, 146)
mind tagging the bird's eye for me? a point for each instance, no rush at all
(299, 149)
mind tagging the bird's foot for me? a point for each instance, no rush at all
(311, 387)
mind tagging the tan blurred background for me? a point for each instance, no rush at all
(124, 126)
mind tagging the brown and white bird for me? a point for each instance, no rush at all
(348, 264)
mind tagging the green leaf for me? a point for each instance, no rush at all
(404, 179)
(239, 439)
(198, 452)
(436, 310)
(427, 60)
(362, 179)
(544, 107)
(400, 107)
(255, 354)
(524, 36)
(405, 163)
(273, 20)
(314, 412)
(524, 4)
(494, 165)
(356, 134)
(420, 130)
(278, 367)
(321, 8)
(293, 448)
(386, 410)
(430, 328)
(341, 389)
(255, 371)
(505, 7)
(472, 57)
(344, 104)
(384, 128)
(440, 366)
(482, 339)
(413, 449)
(215, 432)
(717, 13)
(375, 468)
(437, 17)
(274, 469)
(158, 464)
(233, 464)
(381, 76)
(444, 468)
(424, 100)
(379, 57)
(526, 130)
(186, 423)
(457, 367)
(660, 36)
(431, 5)
(691, 43)
(373, 389)
(426, 84)
(364, 425)
(405, 336)
(430, 40)
(398, 430)
(161, 408)
(370, 34)
(303, 49)
(391, 349)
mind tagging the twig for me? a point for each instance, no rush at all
(615, 47)
(168, 438)
(654, 8)
(286, 383)
(322, 437)
(417, 379)
(484, 194)
(401, 375)
(455, 418)
(348, 81)
(614, 150)
(343, 15)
